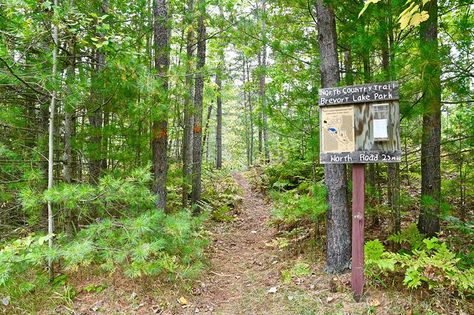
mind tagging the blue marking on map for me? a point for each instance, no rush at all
(332, 130)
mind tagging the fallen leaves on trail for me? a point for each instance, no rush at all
(182, 300)
(374, 302)
(6, 301)
(273, 290)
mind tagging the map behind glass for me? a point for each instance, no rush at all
(337, 129)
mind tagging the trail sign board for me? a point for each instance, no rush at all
(360, 124)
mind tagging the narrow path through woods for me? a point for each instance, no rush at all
(242, 263)
(245, 277)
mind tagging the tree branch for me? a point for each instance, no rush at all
(21, 80)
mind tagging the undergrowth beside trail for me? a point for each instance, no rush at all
(129, 237)
(403, 264)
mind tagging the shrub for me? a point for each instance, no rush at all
(410, 237)
(258, 179)
(153, 243)
(291, 173)
(432, 264)
(113, 196)
(377, 261)
(293, 206)
(220, 194)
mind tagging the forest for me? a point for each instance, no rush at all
(163, 157)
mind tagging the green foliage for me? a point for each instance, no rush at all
(377, 261)
(114, 195)
(293, 206)
(289, 174)
(222, 214)
(220, 194)
(413, 15)
(258, 179)
(436, 266)
(153, 243)
(409, 236)
(300, 269)
(431, 264)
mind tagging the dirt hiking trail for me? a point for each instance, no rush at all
(248, 274)
(242, 261)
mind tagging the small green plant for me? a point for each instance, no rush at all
(221, 214)
(221, 194)
(300, 269)
(113, 196)
(94, 288)
(291, 206)
(436, 266)
(153, 243)
(409, 237)
(67, 295)
(431, 263)
(377, 261)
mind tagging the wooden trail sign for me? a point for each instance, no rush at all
(359, 124)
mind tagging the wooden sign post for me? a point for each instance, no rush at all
(359, 124)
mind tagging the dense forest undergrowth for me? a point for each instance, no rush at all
(261, 253)
(162, 156)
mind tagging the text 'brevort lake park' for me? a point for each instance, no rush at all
(358, 93)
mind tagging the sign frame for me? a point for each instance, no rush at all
(364, 100)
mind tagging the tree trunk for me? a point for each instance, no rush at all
(198, 100)
(160, 119)
(69, 130)
(52, 109)
(349, 77)
(205, 140)
(263, 73)
(247, 112)
(393, 169)
(249, 102)
(428, 222)
(338, 252)
(188, 103)
(96, 119)
(95, 122)
(219, 114)
(68, 121)
(260, 116)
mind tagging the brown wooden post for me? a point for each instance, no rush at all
(358, 196)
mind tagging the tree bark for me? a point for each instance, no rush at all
(52, 109)
(68, 115)
(393, 169)
(69, 131)
(198, 100)
(338, 252)
(247, 112)
(188, 103)
(96, 118)
(159, 143)
(205, 140)
(219, 114)
(95, 122)
(428, 222)
(260, 116)
(262, 83)
(249, 102)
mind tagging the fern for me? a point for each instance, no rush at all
(409, 236)
(431, 264)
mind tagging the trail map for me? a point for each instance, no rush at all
(337, 126)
